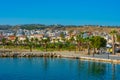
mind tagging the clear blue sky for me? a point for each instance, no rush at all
(77, 12)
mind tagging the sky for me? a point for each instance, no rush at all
(66, 12)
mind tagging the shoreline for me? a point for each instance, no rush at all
(115, 59)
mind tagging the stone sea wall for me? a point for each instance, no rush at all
(53, 55)
(29, 54)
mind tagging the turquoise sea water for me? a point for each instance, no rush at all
(56, 69)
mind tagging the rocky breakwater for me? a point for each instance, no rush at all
(30, 54)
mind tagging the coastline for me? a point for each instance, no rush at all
(115, 59)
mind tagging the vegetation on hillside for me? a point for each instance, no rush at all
(78, 44)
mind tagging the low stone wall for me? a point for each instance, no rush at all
(29, 54)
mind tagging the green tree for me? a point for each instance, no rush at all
(79, 40)
(26, 40)
(113, 33)
(45, 42)
(32, 39)
(4, 43)
(54, 43)
(59, 45)
(62, 35)
(16, 41)
(72, 42)
(10, 44)
(88, 43)
(29, 43)
(97, 42)
(36, 40)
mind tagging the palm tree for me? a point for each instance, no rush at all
(62, 35)
(36, 40)
(26, 40)
(29, 43)
(113, 33)
(10, 43)
(72, 42)
(54, 43)
(79, 40)
(118, 37)
(21, 44)
(39, 43)
(16, 41)
(70, 33)
(46, 41)
(88, 42)
(3, 43)
(32, 39)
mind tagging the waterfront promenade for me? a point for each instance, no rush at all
(97, 57)
(81, 54)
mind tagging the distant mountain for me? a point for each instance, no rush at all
(5, 27)
(42, 26)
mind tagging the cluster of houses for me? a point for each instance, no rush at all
(52, 34)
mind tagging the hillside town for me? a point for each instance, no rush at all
(52, 34)
(56, 34)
